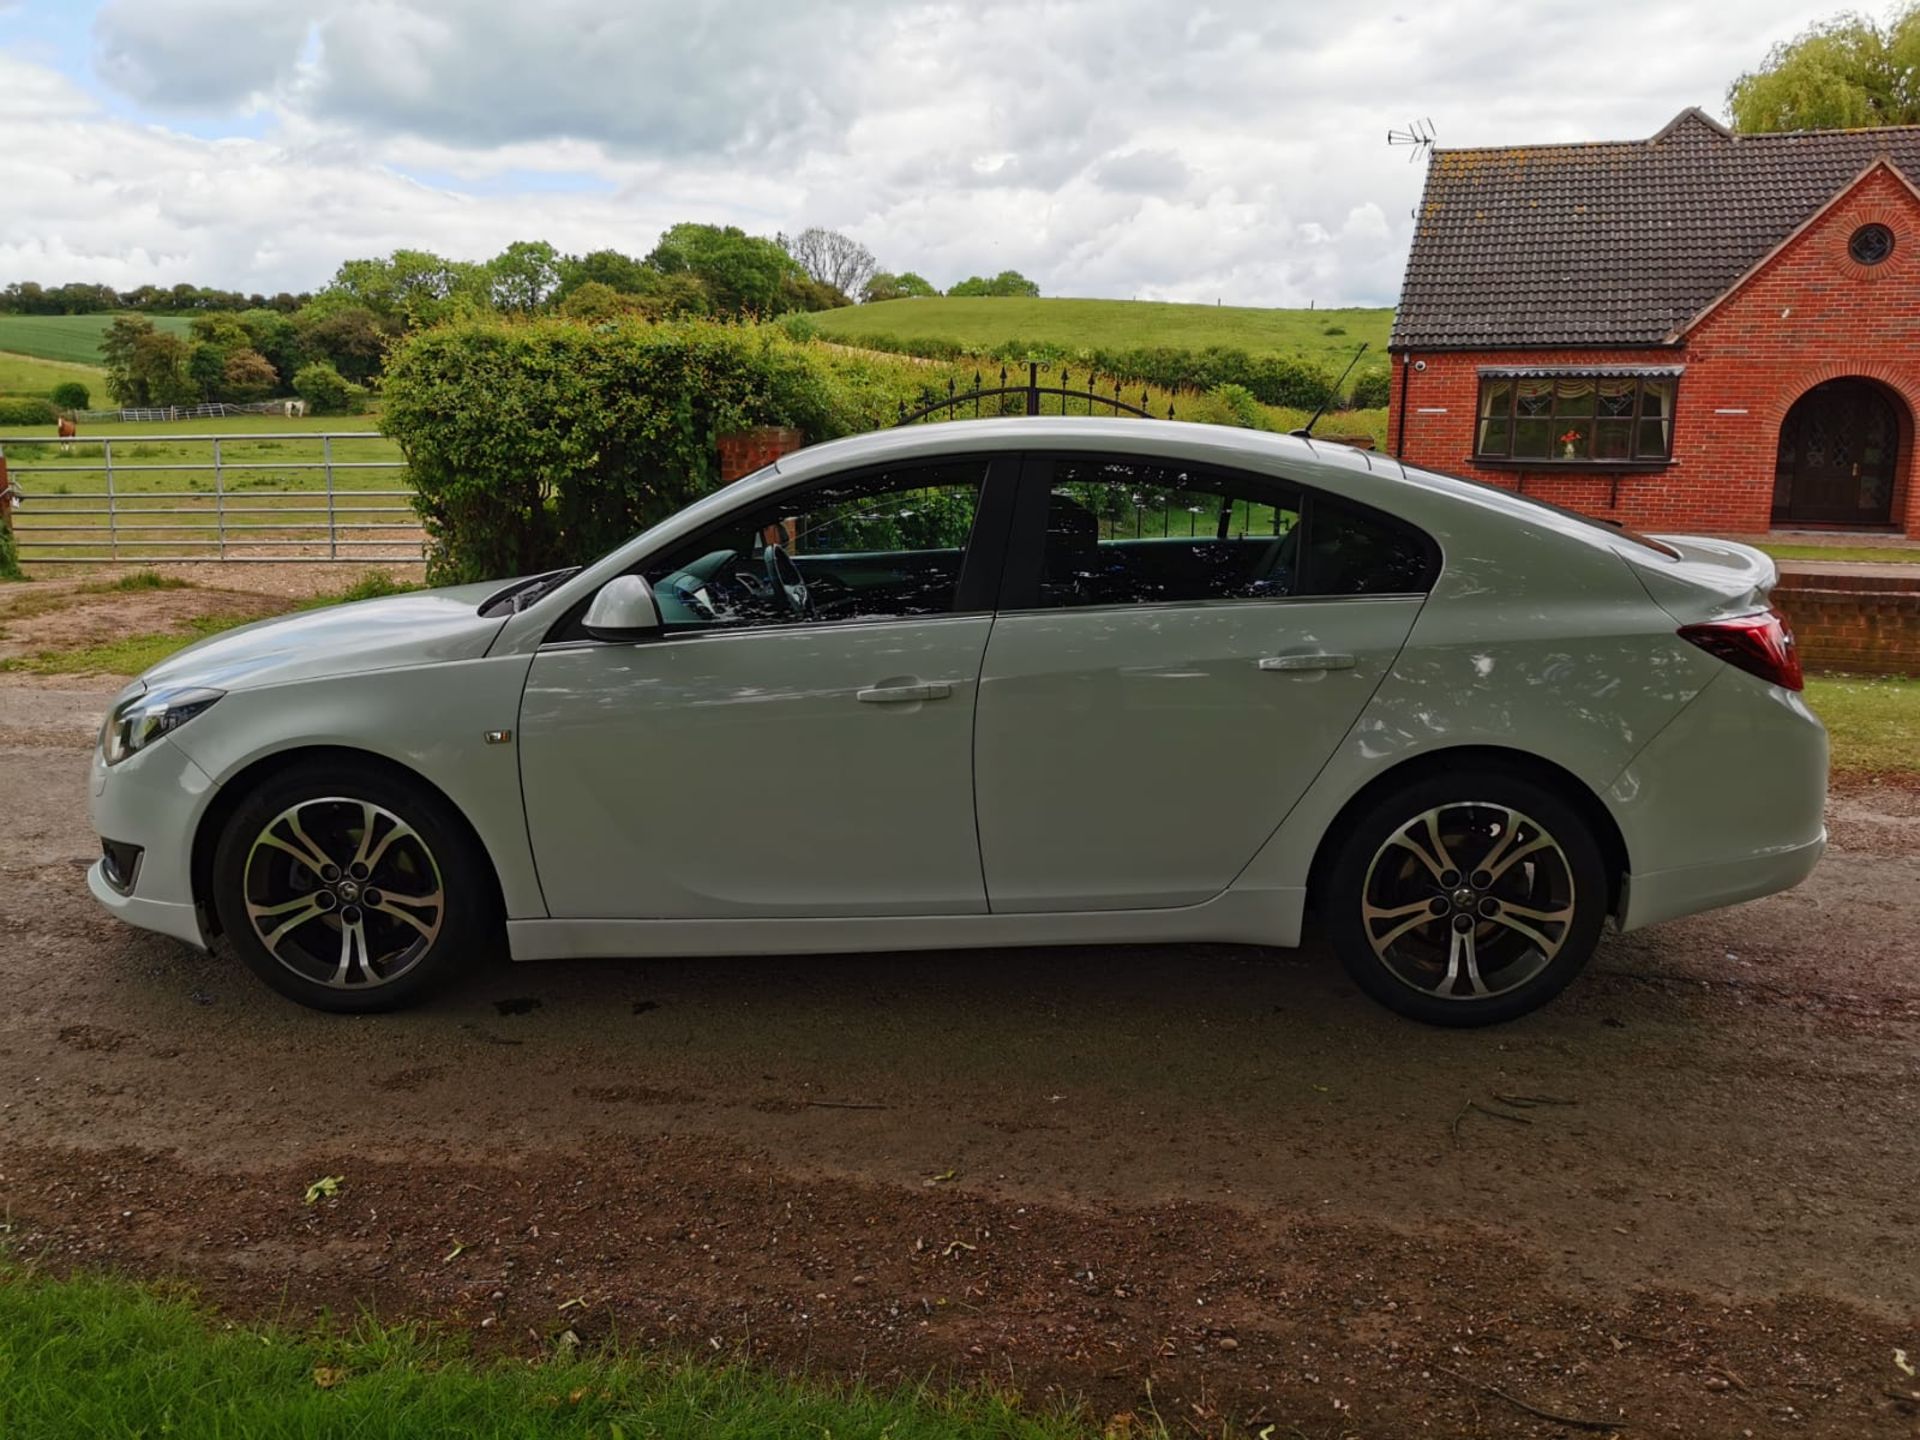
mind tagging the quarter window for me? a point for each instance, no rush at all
(1575, 419)
(878, 546)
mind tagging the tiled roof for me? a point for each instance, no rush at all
(1615, 243)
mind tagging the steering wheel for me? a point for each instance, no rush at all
(787, 581)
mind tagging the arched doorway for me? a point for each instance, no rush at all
(1839, 448)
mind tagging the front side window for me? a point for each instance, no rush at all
(1575, 418)
(1125, 532)
(877, 546)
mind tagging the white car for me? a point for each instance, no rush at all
(991, 683)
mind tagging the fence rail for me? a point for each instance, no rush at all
(130, 519)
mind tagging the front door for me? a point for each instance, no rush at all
(1169, 674)
(798, 741)
(1838, 447)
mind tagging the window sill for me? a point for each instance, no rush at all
(1584, 467)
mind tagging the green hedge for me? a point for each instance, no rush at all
(21, 410)
(546, 443)
(1270, 379)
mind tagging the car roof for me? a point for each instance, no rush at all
(1327, 464)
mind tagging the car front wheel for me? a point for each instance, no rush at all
(1467, 898)
(350, 889)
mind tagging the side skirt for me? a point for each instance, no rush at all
(1242, 917)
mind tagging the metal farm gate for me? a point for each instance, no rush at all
(135, 499)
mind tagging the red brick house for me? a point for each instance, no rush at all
(1701, 331)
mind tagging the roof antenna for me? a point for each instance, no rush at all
(1418, 137)
(1305, 432)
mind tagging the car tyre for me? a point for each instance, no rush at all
(352, 889)
(1466, 898)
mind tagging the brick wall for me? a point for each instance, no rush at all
(1860, 623)
(1807, 314)
(744, 451)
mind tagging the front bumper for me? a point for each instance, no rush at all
(154, 800)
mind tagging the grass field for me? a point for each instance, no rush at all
(258, 480)
(100, 1357)
(1115, 325)
(24, 375)
(73, 338)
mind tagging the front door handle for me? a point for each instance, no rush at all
(1315, 661)
(902, 694)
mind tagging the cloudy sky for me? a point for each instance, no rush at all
(1225, 149)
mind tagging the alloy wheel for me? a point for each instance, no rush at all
(343, 893)
(1468, 900)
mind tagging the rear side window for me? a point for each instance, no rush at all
(1356, 552)
(1120, 531)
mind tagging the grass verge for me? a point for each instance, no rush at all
(1872, 721)
(100, 1357)
(1876, 554)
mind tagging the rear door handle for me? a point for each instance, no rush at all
(902, 694)
(1306, 662)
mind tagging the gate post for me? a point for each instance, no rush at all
(744, 451)
(1033, 387)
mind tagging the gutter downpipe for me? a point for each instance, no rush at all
(1406, 383)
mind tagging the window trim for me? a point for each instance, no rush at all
(1640, 375)
(982, 565)
(1026, 545)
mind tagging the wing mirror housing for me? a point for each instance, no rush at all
(624, 609)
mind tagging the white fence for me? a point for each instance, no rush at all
(132, 511)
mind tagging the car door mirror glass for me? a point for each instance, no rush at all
(624, 609)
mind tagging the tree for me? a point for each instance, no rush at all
(832, 258)
(1839, 74)
(904, 286)
(1006, 283)
(352, 340)
(524, 276)
(71, 395)
(160, 370)
(248, 375)
(742, 273)
(117, 349)
(594, 300)
(618, 272)
(326, 391)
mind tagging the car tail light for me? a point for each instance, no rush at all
(1758, 644)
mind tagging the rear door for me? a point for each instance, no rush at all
(1177, 653)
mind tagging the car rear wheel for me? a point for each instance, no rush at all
(351, 889)
(1467, 898)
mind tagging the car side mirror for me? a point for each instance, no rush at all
(624, 609)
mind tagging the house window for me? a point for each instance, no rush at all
(1576, 419)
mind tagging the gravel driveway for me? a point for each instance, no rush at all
(1217, 1185)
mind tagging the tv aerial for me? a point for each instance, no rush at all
(1417, 138)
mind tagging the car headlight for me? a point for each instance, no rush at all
(138, 722)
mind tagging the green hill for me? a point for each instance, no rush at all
(24, 375)
(1325, 337)
(72, 338)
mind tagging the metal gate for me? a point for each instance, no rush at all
(129, 509)
(1030, 398)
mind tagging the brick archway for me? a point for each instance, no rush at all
(1845, 448)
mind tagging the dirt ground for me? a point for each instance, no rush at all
(1213, 1185)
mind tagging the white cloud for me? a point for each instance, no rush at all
(1101, 146)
